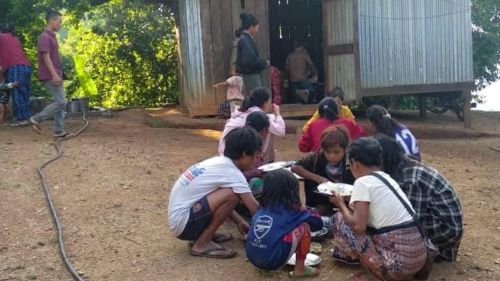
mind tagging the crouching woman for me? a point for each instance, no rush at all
(376, 230)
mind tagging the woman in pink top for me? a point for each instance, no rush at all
(258, 100)
(329, 116)
(17, 67)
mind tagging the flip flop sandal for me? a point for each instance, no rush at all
(215, 253)
(218, 238)
(221, 237)
(308, 272)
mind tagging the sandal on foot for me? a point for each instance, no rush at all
(215, 253)
(222, 237)
(218, 238)
(308, 272)
(35, 125)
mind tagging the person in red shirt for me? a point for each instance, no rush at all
(17, 67)
(329, 116)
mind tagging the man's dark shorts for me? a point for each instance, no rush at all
(200, 217)
(4, 98)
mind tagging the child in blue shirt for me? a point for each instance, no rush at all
(282, 227)
(383, 123)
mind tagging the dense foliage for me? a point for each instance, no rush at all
(125, 51)
(486, 40)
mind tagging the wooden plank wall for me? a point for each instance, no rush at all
(219, 20)
(339, 47)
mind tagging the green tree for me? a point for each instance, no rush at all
(486, 40)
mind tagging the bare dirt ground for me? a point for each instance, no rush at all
(113, 182)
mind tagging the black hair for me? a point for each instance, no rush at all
(337, 92)
(335, 135)
(366, 150)
(258, 120)
(237, 32)
(51, 14)
(394, 159)
(241, 142)
(8, 28)
(382, 120)
(248, 20)
(328, 108)
(258, 97)
(281, 189)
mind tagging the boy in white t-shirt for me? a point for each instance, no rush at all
(235, 95)
(206, 194)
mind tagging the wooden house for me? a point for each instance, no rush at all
(367, 47)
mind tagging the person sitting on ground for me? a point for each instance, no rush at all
(259, 121)
(345, 111)
(5, 95)
(376, 229)
(282, 227)
(234, 93)
(436, 203)
(258, 100)
(206, 194)
(300, 69)
(329, 116)
(383, 123)
(327, 164)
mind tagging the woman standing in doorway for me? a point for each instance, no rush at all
(248, 62)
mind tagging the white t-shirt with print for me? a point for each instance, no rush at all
(385, 208)
(197, 182)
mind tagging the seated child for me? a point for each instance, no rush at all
(206, 194)
(259, 121)
(234, 91)
(345, 111)
(327, 164)
(329, 116)
(383, 123)
(282, 226)
(4, 96)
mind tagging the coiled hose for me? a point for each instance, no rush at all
(55, 218)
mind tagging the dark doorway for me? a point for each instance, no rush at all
(296, 20)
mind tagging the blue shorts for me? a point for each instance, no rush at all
(200, 217)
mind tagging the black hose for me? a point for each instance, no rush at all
(41, 175)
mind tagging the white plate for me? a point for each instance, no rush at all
(311, 260)
(341, 189)
(273, 166)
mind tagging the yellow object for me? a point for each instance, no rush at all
(345, 112)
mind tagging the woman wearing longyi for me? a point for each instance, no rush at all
(376, 229)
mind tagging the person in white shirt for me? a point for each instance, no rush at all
(206, 194)
(376, 229)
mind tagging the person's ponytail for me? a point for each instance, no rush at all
(382, 120)
(258, 97)
(328, 109)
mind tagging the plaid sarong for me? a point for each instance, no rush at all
(21, 107)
